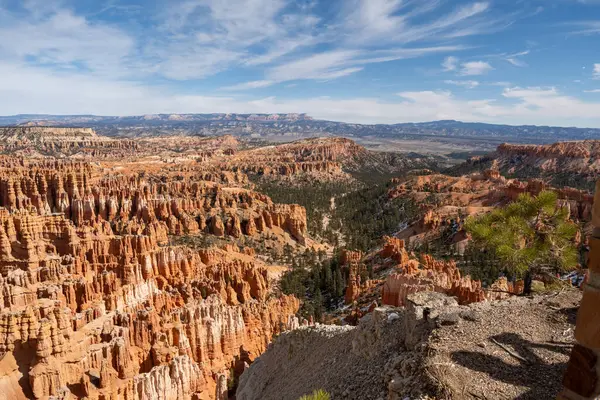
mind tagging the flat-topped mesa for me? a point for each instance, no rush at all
(18, 133)
(574, 164)
(575, 149)
(318, 149)
(39, 142)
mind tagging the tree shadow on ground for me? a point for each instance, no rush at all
(571, 314)
(543, 380)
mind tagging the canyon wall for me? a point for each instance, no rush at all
(95, 303)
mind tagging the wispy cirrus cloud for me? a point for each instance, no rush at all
(109, 57)
(515, 59)
(585, 27)
(322, 66)
(57, 38)
(249, 85)
(467, 84)
(334, 64)
(596, 71)
(196, 39)
(82, 94)
(363, 26)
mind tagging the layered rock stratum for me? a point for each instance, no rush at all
(574, 163)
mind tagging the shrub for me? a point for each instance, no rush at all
(316, 395)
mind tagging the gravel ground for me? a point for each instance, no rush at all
(348, 362)
(431, 349)
(469, 361)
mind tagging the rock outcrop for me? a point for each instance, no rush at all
(37, 142)
(431, 348)
(430, 275)
(351, 261)
(322, 158)
(445, 201)
(582, 380)
(573, 163)
(192, 202)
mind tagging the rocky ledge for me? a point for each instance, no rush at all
(432, 348)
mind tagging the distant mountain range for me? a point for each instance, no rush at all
(297, 125)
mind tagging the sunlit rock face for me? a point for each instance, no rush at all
(95, 303)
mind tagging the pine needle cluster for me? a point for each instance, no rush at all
(531, 235)
(316, 395)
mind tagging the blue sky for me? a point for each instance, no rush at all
(364, 61)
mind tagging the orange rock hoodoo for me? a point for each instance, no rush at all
(351, 259)
(428, 275)
(321, 157)
(131, 204)
(438, 276)
(94, 303)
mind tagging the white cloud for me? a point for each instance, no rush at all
(318, 66)
(280, 49)
(62, 39)
(195, 39)
(592, 91)
(475, 68)
(466, 84)
(333, 65)
(249, 85)
(450, 63)
(178, 64)
(238, 22)
(36, 89)
(596, 73)
(377, 56)
(515, 60)
(586, 27)
(458, 23)
(373, 18)
(467, 68)
(87, 65)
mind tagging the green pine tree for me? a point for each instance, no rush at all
(532, 235)
(316, 395)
